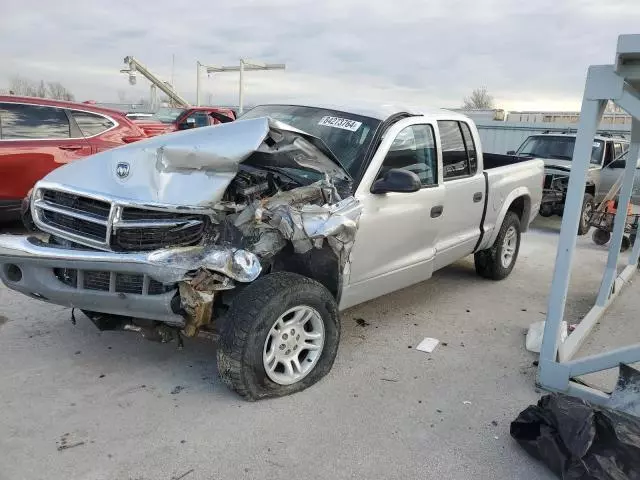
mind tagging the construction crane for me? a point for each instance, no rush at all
(134, 66)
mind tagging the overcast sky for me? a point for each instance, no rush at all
(530, 54)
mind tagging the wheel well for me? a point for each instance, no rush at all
(320, 265)
(520, 206)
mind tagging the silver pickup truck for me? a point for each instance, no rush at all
(607, 162)
(263, 229)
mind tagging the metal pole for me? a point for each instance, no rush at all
(241, 94)
(197, 83)
(624, 197)
(590, 116)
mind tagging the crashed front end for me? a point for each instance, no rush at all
(166, 230)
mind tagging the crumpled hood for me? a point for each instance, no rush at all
(193, 168)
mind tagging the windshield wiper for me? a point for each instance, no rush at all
(559, 157)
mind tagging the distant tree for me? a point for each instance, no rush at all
(57, 91)
(479, 100)
(19, 85)
(42, 90)
(23, 86)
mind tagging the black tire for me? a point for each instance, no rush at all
(546, 210)
(489, 262)
(626, 243)
(250, 318)
(600, 237)
(588, 206)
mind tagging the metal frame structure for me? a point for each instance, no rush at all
(245, 65)
(134, 66)
(619, 83)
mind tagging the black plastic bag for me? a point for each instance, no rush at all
(578, 440)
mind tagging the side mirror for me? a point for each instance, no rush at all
(511, 152)
(617, 164)
(397, 180)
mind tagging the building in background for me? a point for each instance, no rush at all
(613, 115)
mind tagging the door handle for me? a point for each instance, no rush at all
(70, 147)
(436, 211)
(477, 197)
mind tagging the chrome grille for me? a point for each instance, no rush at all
(77, 226)
(153, 238)
(114, 282)
(103, 225)
(79, 204)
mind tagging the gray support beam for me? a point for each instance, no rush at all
(590, 115)
(611, 268)
(604, 361)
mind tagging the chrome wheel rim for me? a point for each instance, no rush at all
(586, 213)
(509, 245)
(293, 345)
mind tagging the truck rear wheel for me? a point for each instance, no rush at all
(497, 262)
(585, 214)
(281, 336)
(600, 237)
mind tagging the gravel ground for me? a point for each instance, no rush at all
(126, 408)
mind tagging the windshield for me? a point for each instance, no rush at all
(557, 147)
(167, 114)
(347, 135)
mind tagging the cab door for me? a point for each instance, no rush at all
(464, 193)
(34, 140)
(397, 233)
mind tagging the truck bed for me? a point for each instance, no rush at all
(495, 160)
(508, 177)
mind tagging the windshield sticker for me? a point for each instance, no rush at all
(596, 144)
(337, 122)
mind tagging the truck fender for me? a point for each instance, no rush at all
(520, 192)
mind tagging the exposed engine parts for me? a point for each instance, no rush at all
(304, 216)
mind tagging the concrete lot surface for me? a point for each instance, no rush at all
(126, 408)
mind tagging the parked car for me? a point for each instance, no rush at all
(556, 150)
(38, 135)
(265, 228)
(168, 119)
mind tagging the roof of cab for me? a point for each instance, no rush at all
(380, 111)
(573, 135)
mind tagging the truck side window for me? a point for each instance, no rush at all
(608, 153)
(455, 161)
(25, 122)
(617, 148)
(471, 148)
(201, 119)
(414, 149)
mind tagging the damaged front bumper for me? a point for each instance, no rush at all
(143, 285)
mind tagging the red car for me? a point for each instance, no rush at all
(38, 135)
(168, 119)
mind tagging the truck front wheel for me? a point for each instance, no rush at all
(585, 214)
(281, 336)
(497, 262)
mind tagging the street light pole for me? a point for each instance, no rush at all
(198, 64)
(241, 88)
(245, 65)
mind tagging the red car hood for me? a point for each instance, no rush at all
(153, 128)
